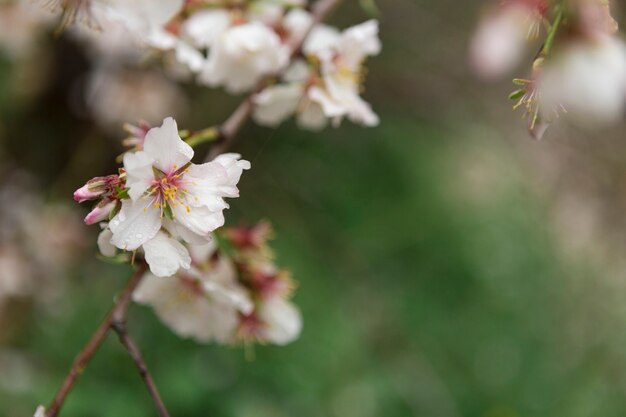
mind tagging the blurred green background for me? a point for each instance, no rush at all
(447, 265)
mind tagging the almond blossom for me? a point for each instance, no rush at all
(500, 42)
(203, 303)
(242, 55)
(587, 78)
(161, 197)
(331, 88)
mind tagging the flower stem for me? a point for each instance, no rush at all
(547, 46)
(205, 135)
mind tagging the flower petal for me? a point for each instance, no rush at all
(166, 147)
(104, 243)
(283, 321)
(135, 224)
(166, 255)
(200, 220)
(139, 175)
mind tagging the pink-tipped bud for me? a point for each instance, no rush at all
(100, 213)
(83, 194)
(96, 187)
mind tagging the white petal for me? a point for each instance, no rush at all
(311, 116)
(233, 164)
(139, 175)
(275, 104)
(212, 181)
(188, 312)
(321, 38)
(331, 107)
(200, 220)
(283, 320)
(236, 297)
(358, 42)
(166, 147)
(166, 255)
(40, 412)
(189, 56)
(205, 26)
(296, 22)
(179, 231)
(104, 243)
(136, 223)
(200, 254)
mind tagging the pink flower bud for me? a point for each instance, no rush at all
(84, 194)
(97, 187)
(99, 213)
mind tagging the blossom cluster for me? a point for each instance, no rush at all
(160, 201)
(233, 292)
(234, 44)
(580, 70)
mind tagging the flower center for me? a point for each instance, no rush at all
(168, 191)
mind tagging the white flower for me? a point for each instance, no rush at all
(167, 190)
(242, 55)
(587, 78)
(500, 41)
(203, 304)
(115, 96)
(206, 26)
(275, 104)
(334, 93)
(40, 412)
(282, 321)
(166, 255)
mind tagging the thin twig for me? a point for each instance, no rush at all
(80, 363)
(119, 327)
(229, 129)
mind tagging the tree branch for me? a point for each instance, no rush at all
(119, 327)
(231, 126)
(118, 310)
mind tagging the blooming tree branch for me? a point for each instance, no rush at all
(169, 208)
(229, 129)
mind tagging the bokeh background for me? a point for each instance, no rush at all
(448, 265)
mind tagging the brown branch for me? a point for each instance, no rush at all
(118, 311)
(120, 328)
(229, 129)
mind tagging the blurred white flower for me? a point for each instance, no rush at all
(203, 303)
(39, 242)
(40, 412)
(331, 93)
(282, 321)
(587, 77)
(167, 190)
(500, 41)
(143, 18)
(115, 96)
(242, 55)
